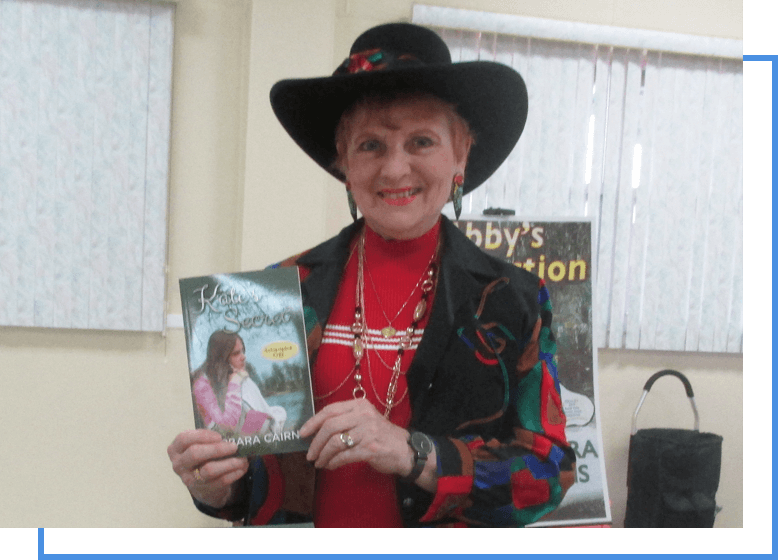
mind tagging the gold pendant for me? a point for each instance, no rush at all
(421, 309)
(358, 350)
(388, 332)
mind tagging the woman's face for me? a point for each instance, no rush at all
(237, 357)
(400, 163)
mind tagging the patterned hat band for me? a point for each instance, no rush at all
(375, 59)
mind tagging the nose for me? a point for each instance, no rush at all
(396, 164)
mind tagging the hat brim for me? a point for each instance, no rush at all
(491, 97)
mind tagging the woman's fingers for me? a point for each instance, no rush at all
(221, 472)
(333, 426)
(338, 451)
(207, 465)
(193, 449)
(353, 431)
(330, 411)
(190, 437)
(198, 454)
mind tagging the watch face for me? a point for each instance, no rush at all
(421, 443)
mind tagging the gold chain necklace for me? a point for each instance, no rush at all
(359, 330)
(427, 286)
(389, 331)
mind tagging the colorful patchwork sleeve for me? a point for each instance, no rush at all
(516, 481)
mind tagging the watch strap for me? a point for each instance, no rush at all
(418, 466)
(419, 455)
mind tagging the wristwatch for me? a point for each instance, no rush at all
(422, 446)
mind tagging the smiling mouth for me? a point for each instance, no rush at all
(399, 194)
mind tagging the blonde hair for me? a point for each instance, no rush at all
(462, 138)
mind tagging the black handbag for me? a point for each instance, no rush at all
(673, 474)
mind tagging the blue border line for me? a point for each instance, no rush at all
(774, 124)
(774, 158)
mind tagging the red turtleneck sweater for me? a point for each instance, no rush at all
(355, 495)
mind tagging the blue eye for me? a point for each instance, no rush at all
(423, 142)
(369, 146)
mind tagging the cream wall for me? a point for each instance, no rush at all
(87, 415)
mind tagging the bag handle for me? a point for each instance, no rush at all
(678, 374)
(650, 383)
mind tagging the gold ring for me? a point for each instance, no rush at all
(197, 476)
(347, 439)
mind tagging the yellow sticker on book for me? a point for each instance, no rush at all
(281, 350)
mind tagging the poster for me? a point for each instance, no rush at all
(560, 252)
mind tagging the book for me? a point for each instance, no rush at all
(248, 358)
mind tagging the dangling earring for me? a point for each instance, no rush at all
(352, 206)
(456, 194)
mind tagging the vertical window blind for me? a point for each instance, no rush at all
(85, 92)
(646, 142)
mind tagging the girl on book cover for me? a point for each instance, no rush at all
(227, 398)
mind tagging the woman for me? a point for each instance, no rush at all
(433, 364)
(216, 385)
(227, 399)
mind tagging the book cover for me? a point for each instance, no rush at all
(248, 358)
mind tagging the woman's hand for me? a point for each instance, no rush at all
(378, 442)
(207, 466)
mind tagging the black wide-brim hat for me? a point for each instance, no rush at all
(402, 57)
